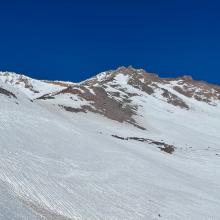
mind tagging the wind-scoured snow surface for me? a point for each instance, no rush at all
(57, 164)
(30, 87)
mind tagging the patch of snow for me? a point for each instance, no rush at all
(121, 79)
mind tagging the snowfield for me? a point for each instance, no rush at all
(62, 165)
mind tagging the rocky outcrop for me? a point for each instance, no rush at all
(168, 148)
(7, 93)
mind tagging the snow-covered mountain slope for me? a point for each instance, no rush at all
(124, 95)
(125, 144)
(31, 87)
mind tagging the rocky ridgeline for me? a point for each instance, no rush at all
(113, 93)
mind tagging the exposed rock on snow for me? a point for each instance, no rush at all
(163, 146)
(7, 93)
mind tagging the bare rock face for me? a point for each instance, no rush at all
(114, 94)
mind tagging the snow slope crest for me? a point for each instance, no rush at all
(30, 87)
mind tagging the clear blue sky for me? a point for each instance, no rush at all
(75, 39)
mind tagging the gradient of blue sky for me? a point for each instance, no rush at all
(73, 40)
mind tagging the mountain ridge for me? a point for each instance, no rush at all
(182, 76)
(114, 93)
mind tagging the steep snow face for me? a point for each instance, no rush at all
(76, 154)
(32, 88)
